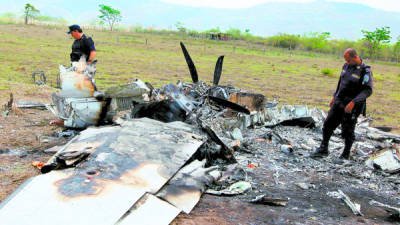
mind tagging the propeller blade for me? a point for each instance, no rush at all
(229, 104)
(218, 70)
(189, 61)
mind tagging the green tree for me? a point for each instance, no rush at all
(181, 27)
(376, 38)
(109, 15)
(29, 12)
(283, 40)
(213, 30)
(315, 41)
(234, 33)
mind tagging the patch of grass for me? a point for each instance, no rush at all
(395, 96)
(302, 78)
(3, 87)
(327, 72)
(378, 77)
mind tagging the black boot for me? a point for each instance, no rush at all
(321, 151)
(346, 151)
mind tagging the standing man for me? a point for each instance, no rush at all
(348, 102)
(82, 45)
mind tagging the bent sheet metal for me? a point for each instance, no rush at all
(186, 187)
(126, 162)
(150, 210)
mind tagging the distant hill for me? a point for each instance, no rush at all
(343, 20)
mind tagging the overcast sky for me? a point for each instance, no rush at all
(390, 5)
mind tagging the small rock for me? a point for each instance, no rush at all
(313, 210)
(286, 149)
(235, 143)
(373, 186)
(304, 186)
(303, 146)
(311, 142)
(228, 123)
(358, 181)
(53, 149)
(237, 134)
(48, 139)
(367, 174)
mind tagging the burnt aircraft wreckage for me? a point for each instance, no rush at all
(177, 141)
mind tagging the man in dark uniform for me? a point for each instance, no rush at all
(82, 45)
(349, 101)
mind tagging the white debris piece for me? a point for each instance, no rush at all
(387, 160)
(392, 210)
(356, 208)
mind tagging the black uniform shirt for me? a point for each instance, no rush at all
(355, 83)
(82, 46)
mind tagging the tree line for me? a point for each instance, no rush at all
(375, 44)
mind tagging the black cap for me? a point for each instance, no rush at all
(74, 28)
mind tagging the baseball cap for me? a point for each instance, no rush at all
(73, 28)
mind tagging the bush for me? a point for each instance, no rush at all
(327, 72)
(283, 40)
(234, 33)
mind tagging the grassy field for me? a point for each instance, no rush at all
(303, 78)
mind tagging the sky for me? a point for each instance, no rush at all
(163, 14)
(389, 5)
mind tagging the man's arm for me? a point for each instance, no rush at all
(367, 88)
(92, 56)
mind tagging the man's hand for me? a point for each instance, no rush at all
(331, 102)
(349, 107)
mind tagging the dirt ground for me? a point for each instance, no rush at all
(20, 146)
(305, 206)
(20, 132)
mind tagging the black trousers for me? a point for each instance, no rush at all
(337, 116)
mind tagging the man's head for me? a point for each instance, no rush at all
(75, 31)
(351, 57)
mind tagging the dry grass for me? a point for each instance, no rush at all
(125, 56)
